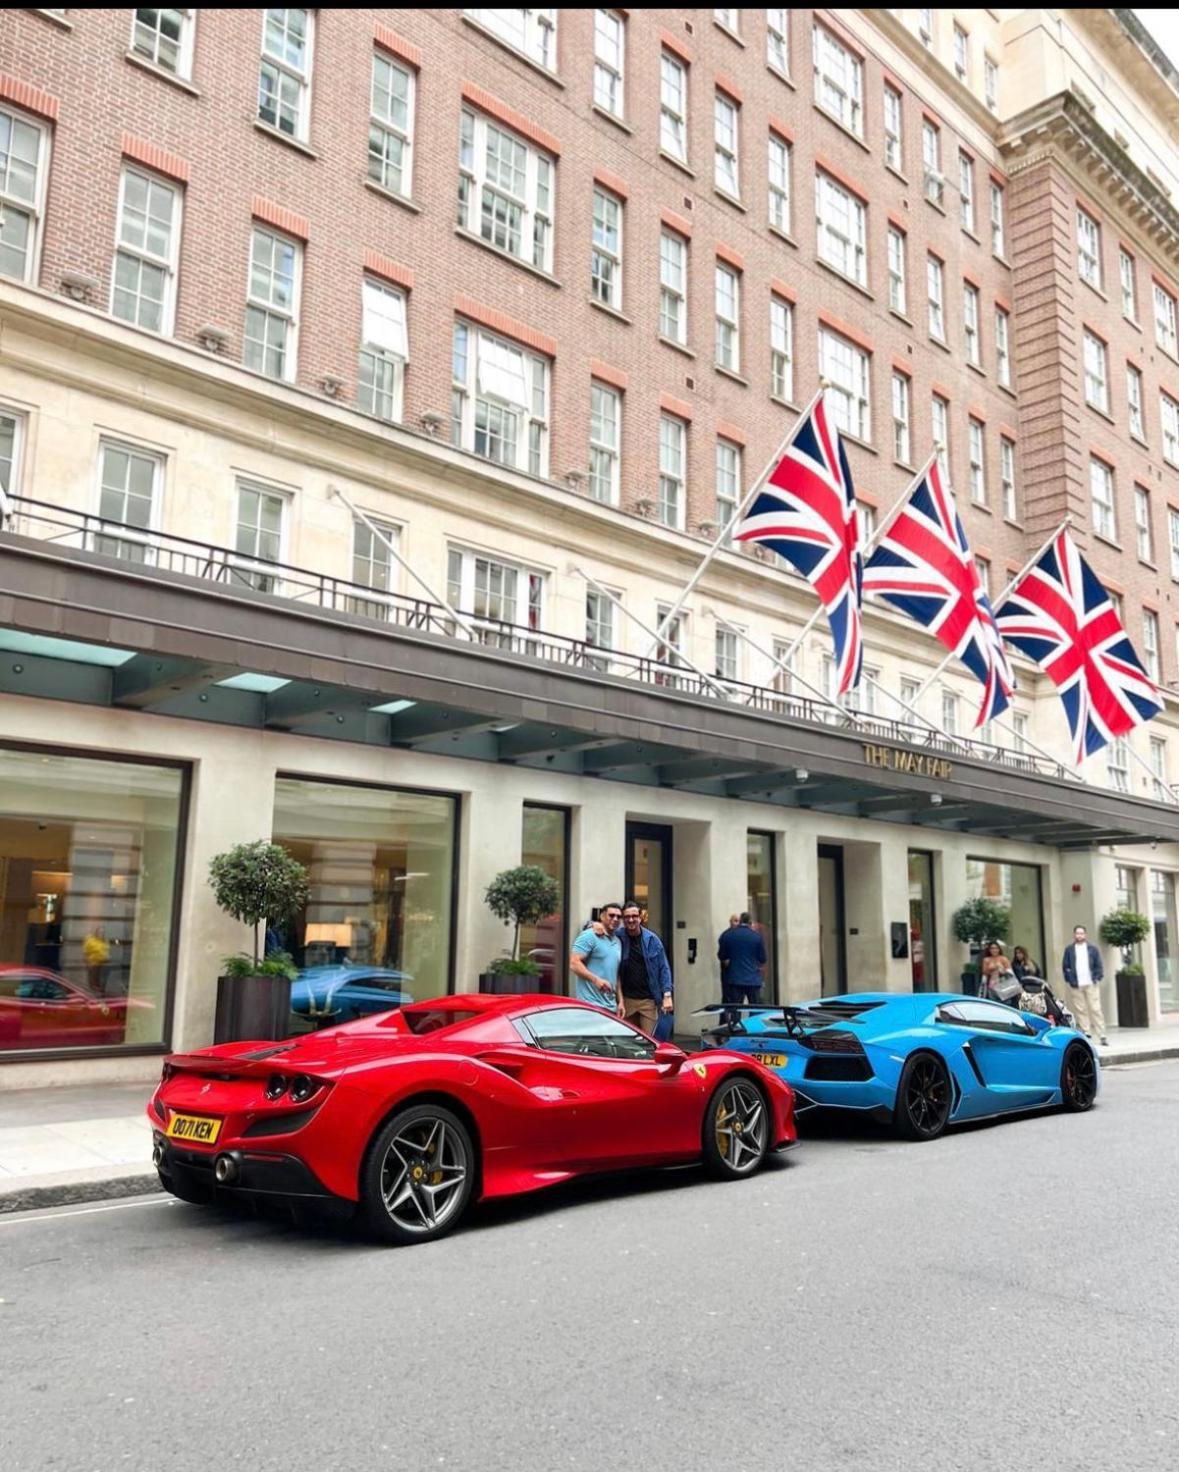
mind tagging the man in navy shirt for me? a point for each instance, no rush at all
(742, 955)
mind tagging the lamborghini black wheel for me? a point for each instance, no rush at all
(1078, 1078)
(923, 1099)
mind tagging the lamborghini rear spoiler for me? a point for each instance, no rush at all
(794, 1020)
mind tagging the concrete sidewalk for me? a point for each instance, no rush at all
(59, 1146)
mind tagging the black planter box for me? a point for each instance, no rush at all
(1132, 1010)
(251, 1007)
(506, 984)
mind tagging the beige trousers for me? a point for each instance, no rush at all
(640, 1012)
(1085, 1004)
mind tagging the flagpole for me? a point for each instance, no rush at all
(1156, 780)
(401, 562)
(738, 512)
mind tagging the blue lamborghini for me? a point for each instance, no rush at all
(919, 1062)
(326, 995)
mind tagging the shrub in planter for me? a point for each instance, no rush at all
(524, 895)
(258, 882)
(977, 923)
(1125, 929)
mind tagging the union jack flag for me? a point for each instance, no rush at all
(806, 512)
(1059, 615)
(924, 567)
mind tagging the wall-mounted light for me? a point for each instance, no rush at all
(802, 774)
(936, 799)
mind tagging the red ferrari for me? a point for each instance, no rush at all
(411, 1115)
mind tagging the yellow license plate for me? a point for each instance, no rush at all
(196, 1129)
(772, 1060)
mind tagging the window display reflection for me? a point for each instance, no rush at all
(543, 843)
(376, 930)
(760, 902)
(89, 855)
(1018, 887)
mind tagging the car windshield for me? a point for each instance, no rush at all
(587, 1031)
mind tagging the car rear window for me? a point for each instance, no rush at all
(422, 1020)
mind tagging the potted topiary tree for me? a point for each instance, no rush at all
(521, 896)
(978, 922)
(1125, 929)
(261, 884)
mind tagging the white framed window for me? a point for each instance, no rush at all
(726, 121)
(839, 80)
(605, 441)
(129, 486)
(935, 287)
(842, 224)
(673, 460)
(147, 241)
(494, 592)
(390, 128)
(259, 536)
(971, 325)
(862, 699)
(779, 183)
(500, 400)
(901, 436)
(991, 83)
(1164, 321)
(984, 573)
(1019, 731)
(1128, 282)
(966, 191)
(897, 293)
(910, 690)
(669, 649)
(781, 349)
(1169, 417)
(531, 32)
(1173, 539)
(673, 106)
(606, 252)
(1088, 248)
(978, 461)
(728, 20)
(1007, 477)
(728, 318)
(939, 416)
(24, 148)
(782, 680)
(950, 707)
(505, 190)
(284, 77)
(961, 54)
(867, 516)
(1101, 496)
(778, 40)
(728, 654)
(12, 434)
(933, 183)
(673, 287)
(164, 37)
(1003, 346)
(848, 368)
(373, 566)
(610, 62)
(1134, 402)
(925, 28)
(728, 482)
(384, 350)
(998, 232)
(1158, 765)
(894, 145)
(599, 624)
(272, 304)
(1117, 762)
(1096, 362)
(1143, 532)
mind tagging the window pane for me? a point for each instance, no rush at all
(547, 942)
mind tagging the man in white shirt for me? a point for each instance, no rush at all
(1083, 974)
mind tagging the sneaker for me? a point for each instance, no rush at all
(1105, 1042)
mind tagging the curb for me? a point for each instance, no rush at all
(1145, 1054)
(75, 1193)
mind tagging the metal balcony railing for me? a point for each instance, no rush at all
(164, 552)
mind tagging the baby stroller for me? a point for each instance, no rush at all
(1037, 997)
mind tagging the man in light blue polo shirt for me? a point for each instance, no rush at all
(594, 961)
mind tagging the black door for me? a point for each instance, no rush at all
(648, 875)
(832, 933)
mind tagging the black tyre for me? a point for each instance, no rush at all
(1078, 1078)
(923, 1098)
(418, 1175)
(196, 1193)
(736, 1128)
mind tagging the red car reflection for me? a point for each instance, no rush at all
(43, 1009)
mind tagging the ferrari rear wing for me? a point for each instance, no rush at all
(254, 1062)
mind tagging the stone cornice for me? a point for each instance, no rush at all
(943, 79)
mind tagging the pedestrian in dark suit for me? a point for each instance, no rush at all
(1083, 973)
(742, 956)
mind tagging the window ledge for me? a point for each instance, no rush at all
(1101, 413)
(731, 373)
(933, 203)
(609, 310)
(896, 173)
(1010, 521)
(1007, 389)
(732, 35)
(842, 126)
(505, 255)
(1096, 290)
(280, 137)
(976, 368)
(515, 51)
(904, 465)
(1109, 541)
(681, 164)
(1003, 261)
(781, 75)
(780, 234)
(970, 235)
(158, 71)
(1174, 464)
(611, 117)
(981, 506)
(1133, 322)
(900, 316)
(847, 280)
(854, 438)
(776, 398)
(729, 199)
(679, 347)
(1138, 440)
(940, 342)
(393, 196)
(54, 20)
(1146, 562)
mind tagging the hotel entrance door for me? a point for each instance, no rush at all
(832, 943)
(648, 875)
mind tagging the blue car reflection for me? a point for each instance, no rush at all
(325, 995)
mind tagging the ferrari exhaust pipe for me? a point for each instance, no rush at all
(226, 1170)
(157, 1154)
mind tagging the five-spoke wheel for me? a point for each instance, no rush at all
(736, 1129)
(923, 1099)
(1078, 1078)
(418, 1175)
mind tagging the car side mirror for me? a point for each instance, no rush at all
(670, 1057)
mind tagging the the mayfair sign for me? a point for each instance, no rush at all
(919, 763)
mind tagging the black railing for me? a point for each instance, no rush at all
(164, 552)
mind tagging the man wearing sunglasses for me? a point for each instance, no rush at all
(595, 958)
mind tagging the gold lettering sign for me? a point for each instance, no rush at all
(919, 763)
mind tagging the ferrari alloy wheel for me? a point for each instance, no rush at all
(418, 1175)
(736, 1129)
(923, 1099)
(1078, 1079)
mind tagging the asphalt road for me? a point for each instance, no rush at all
(1005, 1298)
